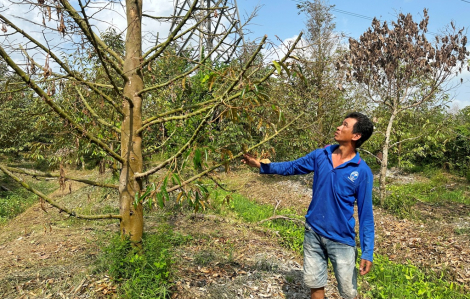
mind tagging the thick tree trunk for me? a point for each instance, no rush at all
(131, 143)
(383, 166)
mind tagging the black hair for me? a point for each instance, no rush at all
(363, 126)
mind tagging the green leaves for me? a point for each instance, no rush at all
(140, 198)
(279, 66)
(210, 79)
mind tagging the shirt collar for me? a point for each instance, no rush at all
(331, 148)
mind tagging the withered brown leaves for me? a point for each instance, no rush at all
(386, 55)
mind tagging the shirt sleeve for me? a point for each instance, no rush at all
(302, 165)
(366, 216)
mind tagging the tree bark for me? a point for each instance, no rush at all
(131, 142)
(384, 164)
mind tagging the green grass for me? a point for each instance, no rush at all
(438, 190)
(143, 273)
(16, 201)
(291, 233)
(391, 280)
(386, 280)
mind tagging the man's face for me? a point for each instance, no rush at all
(345, 131)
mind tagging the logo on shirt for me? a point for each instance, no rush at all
(353, 176)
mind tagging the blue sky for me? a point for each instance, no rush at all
(281, 18)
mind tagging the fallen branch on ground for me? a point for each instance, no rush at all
(298, 221)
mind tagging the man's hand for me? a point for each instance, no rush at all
(250, 161)
(365, 267)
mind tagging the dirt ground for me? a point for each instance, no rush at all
(49, 255)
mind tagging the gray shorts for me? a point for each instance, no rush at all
(317, 251)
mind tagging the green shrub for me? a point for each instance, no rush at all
(391, 280)
(142, 273)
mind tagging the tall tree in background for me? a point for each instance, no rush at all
(105, 103)
(313, 84)
(401, 69)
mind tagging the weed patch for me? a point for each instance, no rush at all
(391, 280)
(438, 190)
(142, 273)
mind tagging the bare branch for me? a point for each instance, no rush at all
(95, 115)
(51, 175)
(180, 117)
(161, 18)
(407, 139)
(191, 70)
(171, 37)
(70, 73)
(100, 56)
(90, 34)
(55, 204)
(40, 92)
(153, 149)
(366, 151)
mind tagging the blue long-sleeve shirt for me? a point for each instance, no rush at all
(335, 190)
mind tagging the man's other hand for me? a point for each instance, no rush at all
(365, 267)
(251, 161)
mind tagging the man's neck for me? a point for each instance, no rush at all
(345, 151)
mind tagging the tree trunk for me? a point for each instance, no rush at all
(383, 166)
(131, 143)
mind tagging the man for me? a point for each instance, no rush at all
(341, 178)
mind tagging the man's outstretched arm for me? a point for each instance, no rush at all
(302, 165)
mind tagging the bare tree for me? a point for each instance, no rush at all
(401, 69)
(126, 82)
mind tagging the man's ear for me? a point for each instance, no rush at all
(356, 137)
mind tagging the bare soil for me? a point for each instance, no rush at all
(49, 255)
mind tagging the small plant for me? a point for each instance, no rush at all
(142, 273)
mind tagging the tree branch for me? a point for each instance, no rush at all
(218, 98)
(70, 73)
(282, 60)
(366, 151)
(298, 221)
(89, 34)
(161, 18)
(181, 150)
(50, 175)
(407, 139)
(98, 51)
(191, 70)
(199, 175)
(95, 115)
(153, 149)
(53, 203)
(170, 38)
(180, 117)
(39, 91)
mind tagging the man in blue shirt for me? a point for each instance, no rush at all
(341, 178)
